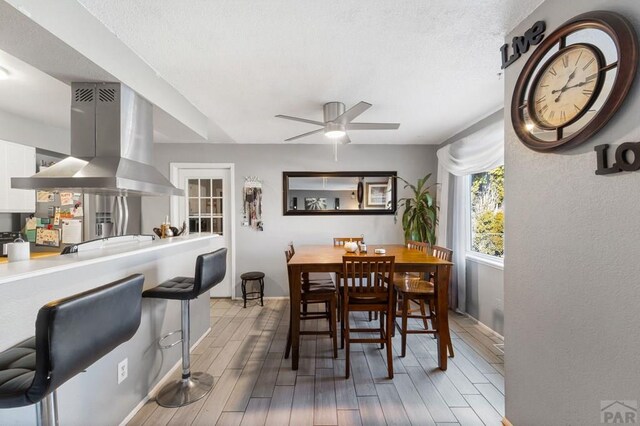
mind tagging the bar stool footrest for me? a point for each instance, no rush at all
(183, 392)
(166, 336)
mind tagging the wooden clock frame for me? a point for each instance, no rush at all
(624, 37)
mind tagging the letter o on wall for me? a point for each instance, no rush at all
(621, 156)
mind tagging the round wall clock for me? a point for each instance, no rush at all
(575, 81)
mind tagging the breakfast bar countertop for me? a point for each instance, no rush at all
(36, 255)
(45, 263)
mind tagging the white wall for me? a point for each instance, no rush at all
(265, 250)
(571, 275)
(14, 128)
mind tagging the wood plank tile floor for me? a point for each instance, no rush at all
(254, 384)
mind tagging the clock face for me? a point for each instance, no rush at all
(566, 86)
(562, 99)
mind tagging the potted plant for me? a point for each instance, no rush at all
(420, 215)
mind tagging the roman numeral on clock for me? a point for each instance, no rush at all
(553, 72)
(565, 61)
(542, 99)
(587, 92)
(588, 64)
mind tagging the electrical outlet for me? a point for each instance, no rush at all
(123, 370)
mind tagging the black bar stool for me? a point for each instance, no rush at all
(252, 295)
(71, 335)
(210, 270)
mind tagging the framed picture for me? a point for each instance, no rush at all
(315, 203)
(377, 194)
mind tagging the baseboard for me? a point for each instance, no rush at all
(506, 422)
(161, 382)
(482, 325)
(276, 298)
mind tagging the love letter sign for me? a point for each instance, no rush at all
(627, 158)
(521, 44)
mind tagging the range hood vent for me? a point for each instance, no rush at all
(111, 146)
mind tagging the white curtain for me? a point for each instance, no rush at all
(476, 153)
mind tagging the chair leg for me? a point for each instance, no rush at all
(450, 346)
(403, 332)
(192, 386)
(381, 330)
(394, 313)
(423, 312)
(47, 410)
(432, 313)
(261, 291)
(334, 325)
(244, 292)
(388, 336)
(370, 316)
(347, 349)
(342, 322)
(287, 349)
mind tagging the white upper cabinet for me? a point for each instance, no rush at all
(16, 161)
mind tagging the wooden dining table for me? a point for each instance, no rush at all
(328, 258)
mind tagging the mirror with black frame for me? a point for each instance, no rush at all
(339, 193)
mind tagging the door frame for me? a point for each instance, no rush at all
(174, 170)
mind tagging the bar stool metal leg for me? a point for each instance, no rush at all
(261, 291)
(47, 410)
(191, 387)
(244, 292)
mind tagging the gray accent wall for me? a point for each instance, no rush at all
(264, 251)
(485, 294)
(571, 275)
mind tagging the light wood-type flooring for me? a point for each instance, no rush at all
(254, 384)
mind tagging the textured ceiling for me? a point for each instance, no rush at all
(430, 65)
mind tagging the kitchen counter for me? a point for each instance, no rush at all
(44, 264)
(37, 255)
(28, 285)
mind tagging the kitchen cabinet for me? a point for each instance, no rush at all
(16, 161)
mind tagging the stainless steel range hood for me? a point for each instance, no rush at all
(111, 146)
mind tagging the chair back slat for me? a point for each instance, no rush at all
(368, 276)
(442, 253)
(339, 241)
(418, 245)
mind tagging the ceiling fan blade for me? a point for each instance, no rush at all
(304, 120)
(352, 112)
(372, 126)
(304, 134)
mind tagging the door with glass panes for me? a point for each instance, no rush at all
(208, 211)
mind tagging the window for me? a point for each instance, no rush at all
(486, 213)
(205, 205)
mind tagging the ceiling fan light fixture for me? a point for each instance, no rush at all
(334, 130)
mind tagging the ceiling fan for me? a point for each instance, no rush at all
(337, 122)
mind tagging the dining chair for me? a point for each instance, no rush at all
(310, 279)
(368, 288)
(315, 294)
(339, 241)
(400, 277)
(421, 290)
